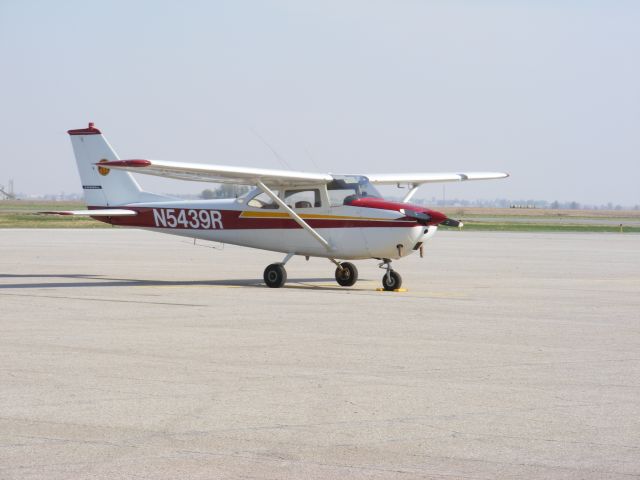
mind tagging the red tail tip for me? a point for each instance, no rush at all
(92, 130)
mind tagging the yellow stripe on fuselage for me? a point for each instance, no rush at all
(312, 216)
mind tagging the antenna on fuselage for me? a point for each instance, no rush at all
(313, 160)
(273, 150)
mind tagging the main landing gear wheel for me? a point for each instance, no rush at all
(346, 274)
(275, 275)
(391, 280)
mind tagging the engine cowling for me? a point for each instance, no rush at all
(420, 214)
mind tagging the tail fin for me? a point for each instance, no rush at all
(101, 186)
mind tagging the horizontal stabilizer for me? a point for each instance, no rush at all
(106, 212)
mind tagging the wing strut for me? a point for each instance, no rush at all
(294, 215)
(411, 193)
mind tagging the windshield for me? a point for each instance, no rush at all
(258, 199)
(345, 188)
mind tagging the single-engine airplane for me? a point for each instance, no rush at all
(338, 217)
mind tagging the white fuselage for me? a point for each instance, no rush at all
(352, 232)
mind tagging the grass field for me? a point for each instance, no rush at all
(546, 220)
(24, 214)
(506, 226)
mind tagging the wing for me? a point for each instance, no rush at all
(420, 178)
(218, 173)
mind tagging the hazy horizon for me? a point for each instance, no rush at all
(547, 91)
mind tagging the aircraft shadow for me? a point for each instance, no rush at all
(83, 280)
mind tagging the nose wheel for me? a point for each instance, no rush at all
(392, 279)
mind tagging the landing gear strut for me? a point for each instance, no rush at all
(392, 279)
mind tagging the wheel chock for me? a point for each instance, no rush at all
(398, 290)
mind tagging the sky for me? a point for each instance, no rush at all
(548, 91)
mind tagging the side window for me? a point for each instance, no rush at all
(303, 198)
(263, 200)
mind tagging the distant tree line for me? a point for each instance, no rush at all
(521, 203)
(224, 191)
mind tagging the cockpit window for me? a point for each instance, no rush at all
(303, 198)
(344, 189)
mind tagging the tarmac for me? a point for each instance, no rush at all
(129, 354)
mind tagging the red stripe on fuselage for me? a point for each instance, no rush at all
(231, 220)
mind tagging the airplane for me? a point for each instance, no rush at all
(338, 217)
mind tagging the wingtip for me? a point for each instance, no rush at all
(125, 163)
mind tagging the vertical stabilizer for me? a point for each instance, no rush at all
(101, 186)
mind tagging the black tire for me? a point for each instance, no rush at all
(275, 275)
(393, 282)
(348, 275)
